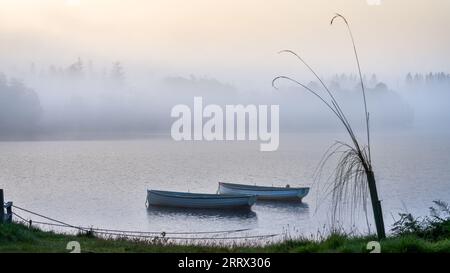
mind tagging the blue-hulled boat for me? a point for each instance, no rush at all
(199, 200)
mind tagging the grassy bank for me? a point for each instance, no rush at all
(409, 234)
(19, 238)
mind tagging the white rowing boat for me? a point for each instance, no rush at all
(199, 200)
(263, 192)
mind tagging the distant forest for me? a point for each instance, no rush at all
(81, 97)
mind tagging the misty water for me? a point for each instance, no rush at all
(103, 183)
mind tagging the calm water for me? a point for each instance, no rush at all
(104, 183)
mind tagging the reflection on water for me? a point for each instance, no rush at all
(235, 214)
(291, 206)
(216, 219)
(203, 220)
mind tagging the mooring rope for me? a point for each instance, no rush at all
(137, 233)
(140, 234)
(48, 218)
(174, 232)
(20, 217)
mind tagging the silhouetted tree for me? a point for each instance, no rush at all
(117, 73)
(381, 87)
(373, 80)
(76, 69)
(409, 78)
(20, 107)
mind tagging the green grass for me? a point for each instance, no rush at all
(19, 238)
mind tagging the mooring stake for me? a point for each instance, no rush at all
(2, 211)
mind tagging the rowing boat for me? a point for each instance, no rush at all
(199, 200)
(263, 192)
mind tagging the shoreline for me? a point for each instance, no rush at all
(20, 239)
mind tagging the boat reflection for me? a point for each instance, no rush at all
(294, 206)
(172, 212)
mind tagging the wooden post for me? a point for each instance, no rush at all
(376, 205)
(9, 213)
(2, 207)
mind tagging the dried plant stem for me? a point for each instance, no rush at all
(353, 174)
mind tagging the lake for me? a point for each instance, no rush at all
(103, 183)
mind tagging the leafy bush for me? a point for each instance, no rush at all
(433, 227)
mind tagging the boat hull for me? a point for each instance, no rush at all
(200, 201)
(264, 193)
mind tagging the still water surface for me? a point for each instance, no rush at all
(103, 183)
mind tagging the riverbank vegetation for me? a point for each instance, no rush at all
(429, 234)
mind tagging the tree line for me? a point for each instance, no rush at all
(436, 78)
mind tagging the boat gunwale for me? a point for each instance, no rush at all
(260, 188)
(188, 195)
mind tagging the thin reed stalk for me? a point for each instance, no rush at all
(353, 175)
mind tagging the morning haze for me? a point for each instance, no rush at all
(115, 66)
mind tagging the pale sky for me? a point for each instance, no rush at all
(228, 38)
